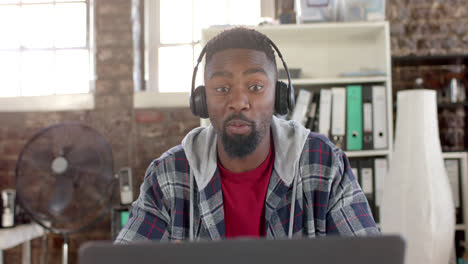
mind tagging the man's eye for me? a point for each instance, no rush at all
(222, 89)
(256, 88)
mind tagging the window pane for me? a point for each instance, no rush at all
(176, 21)
(9, 26)
(175, 68)
(240, 15)
(9, 2)
(37, 68)
(72, 74)
(9, 70)
(38, 26)
(205, 17)
(201, 69)
(70, 25)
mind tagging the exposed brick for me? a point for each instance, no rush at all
(115, 23)
(13, 148)
(111, 39)
(7, 165)
(115, 71)
(115, 55)
(105, 87)
(145, 116)
(125, 87)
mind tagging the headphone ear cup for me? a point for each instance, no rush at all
(198, 102)
(281, 98)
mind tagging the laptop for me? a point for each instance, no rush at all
(330, 250)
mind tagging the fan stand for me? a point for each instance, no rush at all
(65, 248)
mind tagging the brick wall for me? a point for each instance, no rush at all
(422, 27)
(135, 136)
(432, 28)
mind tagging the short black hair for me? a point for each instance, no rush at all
(240, 38)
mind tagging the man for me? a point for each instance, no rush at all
(249, 173)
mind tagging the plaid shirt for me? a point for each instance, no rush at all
(329, 200)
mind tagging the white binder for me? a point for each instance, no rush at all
(380, 165)
(367, 181)
(338, 119)
(302, 105)
(325, 112)
(380, 117)
(453, 173)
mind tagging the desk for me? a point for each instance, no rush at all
(22, 234)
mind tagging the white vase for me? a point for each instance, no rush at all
(417, 201)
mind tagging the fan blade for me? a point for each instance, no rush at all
(85, 160)
(63, 193)
(41, 159)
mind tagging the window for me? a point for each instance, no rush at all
(173, 33)
(45, 47)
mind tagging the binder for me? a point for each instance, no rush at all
(325, 112)
(367, 128)
(354, 163)
(380, 117)
(312, 123)
(367, 182)
(338, 120)
(452, 167)
(302, 105)
(354, 117)
(381, 167)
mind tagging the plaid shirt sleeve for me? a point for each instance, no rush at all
(149, 214)
(348, 211)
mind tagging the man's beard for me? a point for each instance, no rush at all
(239, 146)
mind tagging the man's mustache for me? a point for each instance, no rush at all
(238, 117)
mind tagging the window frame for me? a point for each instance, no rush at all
(59, 102)
(150, 96)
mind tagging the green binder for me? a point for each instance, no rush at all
(354, 117)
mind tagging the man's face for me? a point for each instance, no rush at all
(240, 94)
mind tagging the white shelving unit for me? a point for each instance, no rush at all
(324, 51)
(462, 157)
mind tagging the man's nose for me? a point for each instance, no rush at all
(239, 99)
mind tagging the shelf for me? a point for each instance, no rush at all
(460, 227)
(451, 105)
(11, 237)
(430, 60)
(338, 80)
(366, 153)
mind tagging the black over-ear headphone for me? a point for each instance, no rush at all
(284, 98)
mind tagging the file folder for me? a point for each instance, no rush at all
(367, 116)
(338, 121)
(325, 112)
(381, 167)
(380, 117)
(312, 123)
(367, 182)
(452, 167)
(302, 105)
(354, 163)
(354, 117)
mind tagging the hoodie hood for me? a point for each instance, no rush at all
(289, 138)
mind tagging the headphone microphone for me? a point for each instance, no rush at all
(284, 94)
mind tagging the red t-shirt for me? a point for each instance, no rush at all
(244, 198)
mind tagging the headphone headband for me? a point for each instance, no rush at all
(272, 44)
(284, 98)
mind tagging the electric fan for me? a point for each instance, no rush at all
(64, 179)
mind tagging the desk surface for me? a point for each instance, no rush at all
(11, 237)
